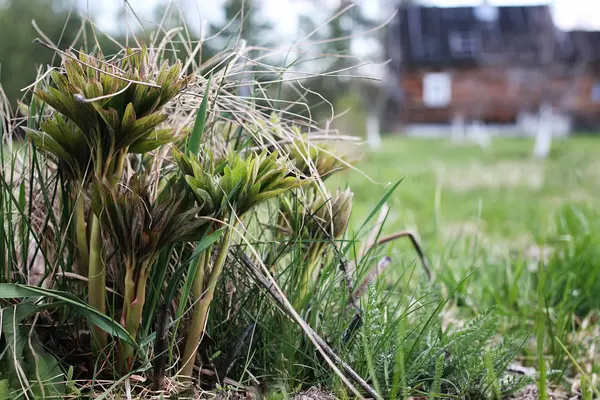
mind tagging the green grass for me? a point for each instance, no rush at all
(481, 215)
(502, 189)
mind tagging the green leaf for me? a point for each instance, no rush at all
(47, 378)
(128, 118)
(153, 141)
(41, 368)
(107, 324)
(380, 204)
(142, 127)
(47, 143)
(159, 273)
(17, 313)
(5, 393)
(198, 131)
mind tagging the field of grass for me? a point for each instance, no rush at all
(501, 192)
(504, 231)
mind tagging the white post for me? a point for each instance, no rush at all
(479, 134)
(458, 128)
(543, 138)
(373, 130)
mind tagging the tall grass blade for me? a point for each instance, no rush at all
(581, 371)
(380, 204)
(399, 379)
(159, 273)
(200, 123)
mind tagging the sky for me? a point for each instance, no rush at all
(568, 14)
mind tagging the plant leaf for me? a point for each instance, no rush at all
(198, 131)
(153, 141)
(15, 290)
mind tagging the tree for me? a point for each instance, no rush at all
(19, 57)
(242, 20)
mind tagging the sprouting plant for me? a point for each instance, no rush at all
(311, 159)
(110, 110)
(321, 220)
(230, 189)
(140, 228)
(103, 111)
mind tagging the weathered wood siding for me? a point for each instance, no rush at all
(498, 95)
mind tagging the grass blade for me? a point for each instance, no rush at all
(199, 124)
(380, 204)
(15, 290)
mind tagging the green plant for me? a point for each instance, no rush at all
(230, 189)
(576, 244)
(175, 228)
(104, 110)
(141, 227)
(319, 221)
(24, 360)
(387, 334)
(315, 159)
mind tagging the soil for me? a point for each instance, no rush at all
(314, 394)
(310, 394)
(530, 392)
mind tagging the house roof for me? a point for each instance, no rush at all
(441, 36)
(585, 45)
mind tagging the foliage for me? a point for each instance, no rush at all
(111, 185)
(236, 184)
(462, 349)
(101, 115)
(527, 250)
(141, 229)
(577, 252)
(24, 360)
(103, 111)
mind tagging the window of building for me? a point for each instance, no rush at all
(437, 89)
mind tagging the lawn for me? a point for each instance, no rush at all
(503, 231)
(500, 192)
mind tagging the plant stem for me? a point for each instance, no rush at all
(195, 329)
(308, 272)
(131, 317)
(97, 270)
(81, 235)
(137, 306)
(125, 351)
(96, 281)
(118, 167)
(200, 312)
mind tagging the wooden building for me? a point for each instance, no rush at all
(489, 64)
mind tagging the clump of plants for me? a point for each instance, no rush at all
(103, 111)
(230, 190)
(136, 217)
(390, 331)
(175, 229)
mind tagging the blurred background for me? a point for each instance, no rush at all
(440, 66)
(507, 93)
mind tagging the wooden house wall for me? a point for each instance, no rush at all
(498, 95)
